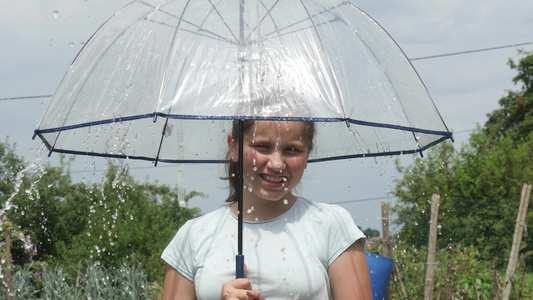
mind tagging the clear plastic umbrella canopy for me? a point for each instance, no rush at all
(163, 80)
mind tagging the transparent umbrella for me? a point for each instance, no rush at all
(163, 81)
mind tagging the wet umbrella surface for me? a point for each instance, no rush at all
(163, 81)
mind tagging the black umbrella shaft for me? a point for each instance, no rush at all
(241, 185)
(240, 188)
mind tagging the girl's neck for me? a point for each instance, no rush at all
(264, 210)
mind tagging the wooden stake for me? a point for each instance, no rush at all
(7, 266)
(432, 247)
(387, 247)
(517, 239)
(387, 252)
(399, 279)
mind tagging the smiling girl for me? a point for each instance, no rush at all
(295, 248)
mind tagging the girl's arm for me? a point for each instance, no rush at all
(177, 286)
(349, 276)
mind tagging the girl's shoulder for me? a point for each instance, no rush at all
(320, 208)
(209, 219)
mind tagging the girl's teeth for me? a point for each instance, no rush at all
(274, 179)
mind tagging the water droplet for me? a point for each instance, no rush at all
(285, 201)
(55, 13)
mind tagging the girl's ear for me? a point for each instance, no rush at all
(233, 149)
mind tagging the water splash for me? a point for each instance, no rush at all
(19, 178)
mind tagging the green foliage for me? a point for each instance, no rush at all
(122, 220)
(479, 185)
(92, 281)
(10, 165)
(431, 175)
(460, 273)
(515, 116)
(476, 286)
(370, 232)
(111, 222)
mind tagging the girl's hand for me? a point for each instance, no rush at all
(240, 289)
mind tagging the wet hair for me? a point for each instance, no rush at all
(232, 168)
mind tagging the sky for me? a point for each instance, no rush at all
(40, 38)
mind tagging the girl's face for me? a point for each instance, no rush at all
(275, 157)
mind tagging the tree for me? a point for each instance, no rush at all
(515, 116)
(369, 232)
(10, 165)
(122, 220)
(480, 184)
(111, 222)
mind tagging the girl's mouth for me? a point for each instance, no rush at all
(273, 179)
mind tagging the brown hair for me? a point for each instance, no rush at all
(232, 168)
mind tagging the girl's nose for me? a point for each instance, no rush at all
(276, 162)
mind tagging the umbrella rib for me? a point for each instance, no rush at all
(387, 75)
(94, 66)
(326, 58)
(200, 32)
(223, 21)
(206, 33)
(161, 142)
(277, 29)
(267, 13)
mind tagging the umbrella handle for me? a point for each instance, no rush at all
(239, 259)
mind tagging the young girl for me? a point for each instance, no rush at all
(294, 248)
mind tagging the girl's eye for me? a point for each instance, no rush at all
(260, 147)
(294, 150)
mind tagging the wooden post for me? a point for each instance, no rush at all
(517, 239)
(432, 247)
(400, 281)
(387, 248)
(387, 251)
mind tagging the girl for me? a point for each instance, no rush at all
(294, 248)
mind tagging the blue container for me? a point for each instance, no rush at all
(380, 268)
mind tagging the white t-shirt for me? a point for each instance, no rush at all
(286, 258)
